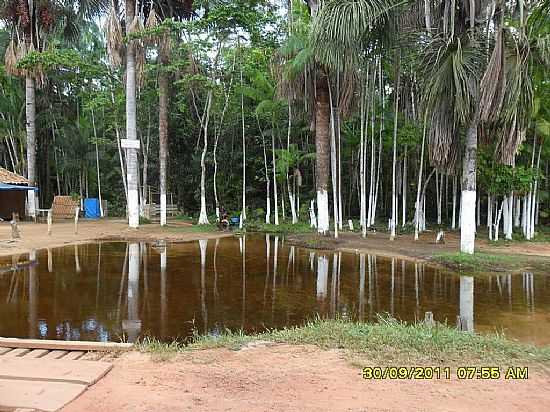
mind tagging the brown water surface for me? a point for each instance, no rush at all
(111, 291)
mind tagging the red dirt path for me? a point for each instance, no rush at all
(292, 378)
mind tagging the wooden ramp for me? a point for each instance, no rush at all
(47, 375)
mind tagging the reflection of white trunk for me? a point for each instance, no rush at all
(274, 167)
(322, 277)
(133, 327)
(467, 303)
(468, 221)
(203, 244)
(361, 286)
(50, 261)
(33, 296)
(322, 212)
(163, 302)
(76, 259)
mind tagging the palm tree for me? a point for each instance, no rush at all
(31, 23)
(159, 12)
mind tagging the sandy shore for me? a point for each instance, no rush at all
(35, 235)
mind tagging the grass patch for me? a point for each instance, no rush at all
(284, 228)
(194, 228)
(484, 262)
(388, 340)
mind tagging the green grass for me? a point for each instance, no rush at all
(388, 341)
(284, 228)
(478, 262)
(194, 229)
(484, 262)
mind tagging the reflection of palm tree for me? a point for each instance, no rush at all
(322, 276)
(163, 301)
(133, 289)
(267, 265)
(33, 296)
(466, 306)
(361, 287)
(243, 311)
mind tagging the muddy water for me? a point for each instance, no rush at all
(105, 291)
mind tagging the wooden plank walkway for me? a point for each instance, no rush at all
(47, 375)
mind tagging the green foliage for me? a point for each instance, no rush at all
(259, 226)
(500, 180)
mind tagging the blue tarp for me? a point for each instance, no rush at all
(91, 209)
(7, 187)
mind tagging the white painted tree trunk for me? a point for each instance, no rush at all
(517, 214)
(362, 181)
(268, 182)
(453, 221)
(333, 161)
(404, 190)
(418, 205)
(274, 167)
(131, 131)
(312, 217)
(163, 143)
(393, 223)
(497, 221)
(243, 212)
(203, 217)
(468, 199)
(291, 194)
(490, 216)
(510, 220)
(30, 114)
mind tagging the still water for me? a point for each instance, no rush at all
(116, 290)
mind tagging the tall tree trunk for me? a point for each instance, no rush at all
(418, 205)
(274, 167)
(333, 160)
(468, 198)
(268, 182)
(30, 111)
(394, 191)
(163, 142)
(291, 193)
(101, 211)
(131, 124)
(404, 189)
(243, 212)
(203, 217)
(322, 144)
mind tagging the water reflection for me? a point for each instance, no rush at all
(111, 291)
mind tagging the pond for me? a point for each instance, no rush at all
(116, 290)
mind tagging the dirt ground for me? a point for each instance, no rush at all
(35, 235)
(406, 247)
(292, 378)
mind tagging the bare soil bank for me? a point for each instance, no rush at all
(278, 377)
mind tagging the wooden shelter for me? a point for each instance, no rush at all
(13, 192)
